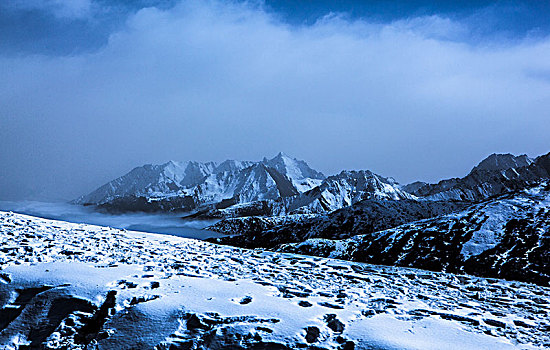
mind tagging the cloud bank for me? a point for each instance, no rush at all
(409, 98)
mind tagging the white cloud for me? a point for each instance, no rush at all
(213, 81)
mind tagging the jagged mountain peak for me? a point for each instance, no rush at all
(413, 187)
(503, 161)
(210, 182)
(496, 174)
(302, 176)
(288, 165)
(354, 173)
(186, 173)
(363, 175)
(232, 165)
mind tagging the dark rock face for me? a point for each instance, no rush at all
(256, 208)
(523, 254)
(496, 162)
(497, 174)
(312, 333)
(45, 307)
(92, 327)
(505, 237)
(143, 204)
(364, 217)
(256, 224)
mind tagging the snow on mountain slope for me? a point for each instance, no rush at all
(346, 188)
(496, 174)
(496, 162)
(363, 217)
(248, 184)
(505, 237)
(205, 183)
(168, 179)
(75, 286)
(333, 193)
(281, 185)
(302, 176)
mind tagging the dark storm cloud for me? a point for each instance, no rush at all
(413, 97)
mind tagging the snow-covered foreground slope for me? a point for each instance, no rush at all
(75, 286)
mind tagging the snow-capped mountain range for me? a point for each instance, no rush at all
(211, 182)
(284, 185)
(281, 185)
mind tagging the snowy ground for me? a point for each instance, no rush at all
(74, 285)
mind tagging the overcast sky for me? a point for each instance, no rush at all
(90, 89)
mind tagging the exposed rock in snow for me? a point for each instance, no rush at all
(414, 186)
(363, 217)
(249, 225)
(75, 286)
(506, 237)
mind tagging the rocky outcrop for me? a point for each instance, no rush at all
(364, 217)
(497, 174)
(504, 237)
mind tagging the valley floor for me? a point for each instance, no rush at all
(71, 286)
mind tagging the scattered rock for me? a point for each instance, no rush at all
(334, 324)
(194, 322)
(312, 334)
(246, 300)
(330, 305)
(495, 323)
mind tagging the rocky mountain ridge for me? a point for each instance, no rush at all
(498, 173)
(287, 186)
(507, 236)
(278, 186)
(364, 217)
